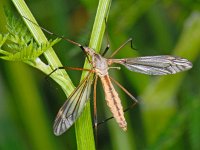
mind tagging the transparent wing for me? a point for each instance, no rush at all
(155, 65)
(73, 106)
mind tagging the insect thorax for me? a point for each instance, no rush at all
(100, 64)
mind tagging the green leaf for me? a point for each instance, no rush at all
(3, 39)
(19, 44)
(26, 52)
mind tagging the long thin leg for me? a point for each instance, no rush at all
(135, 101)
(107, 39)
(125, 90)
(125, 110)
(95, 107)
(117, 50)
(69, 68)
(106, 49)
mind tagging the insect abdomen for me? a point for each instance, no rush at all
(113, 102)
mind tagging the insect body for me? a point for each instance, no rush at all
(151, 65)
(74, 105)
(100, 65)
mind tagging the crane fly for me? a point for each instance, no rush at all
(74, 105)
(151, 65)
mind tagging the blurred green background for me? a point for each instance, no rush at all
(168, 113)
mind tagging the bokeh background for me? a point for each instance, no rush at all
(168, 113)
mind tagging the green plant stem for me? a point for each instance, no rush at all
(83, 128)
(60, 76)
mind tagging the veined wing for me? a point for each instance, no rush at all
(155, 65)
(73, 106)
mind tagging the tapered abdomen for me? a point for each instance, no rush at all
(113, 102)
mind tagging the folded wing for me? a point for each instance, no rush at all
(155, 65)
(73, 106)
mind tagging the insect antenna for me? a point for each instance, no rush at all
(59, 36)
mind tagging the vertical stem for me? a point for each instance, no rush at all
(60, 76)
(84, 129)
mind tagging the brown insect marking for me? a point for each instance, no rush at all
(113, 102)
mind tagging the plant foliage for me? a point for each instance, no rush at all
(19, 45)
